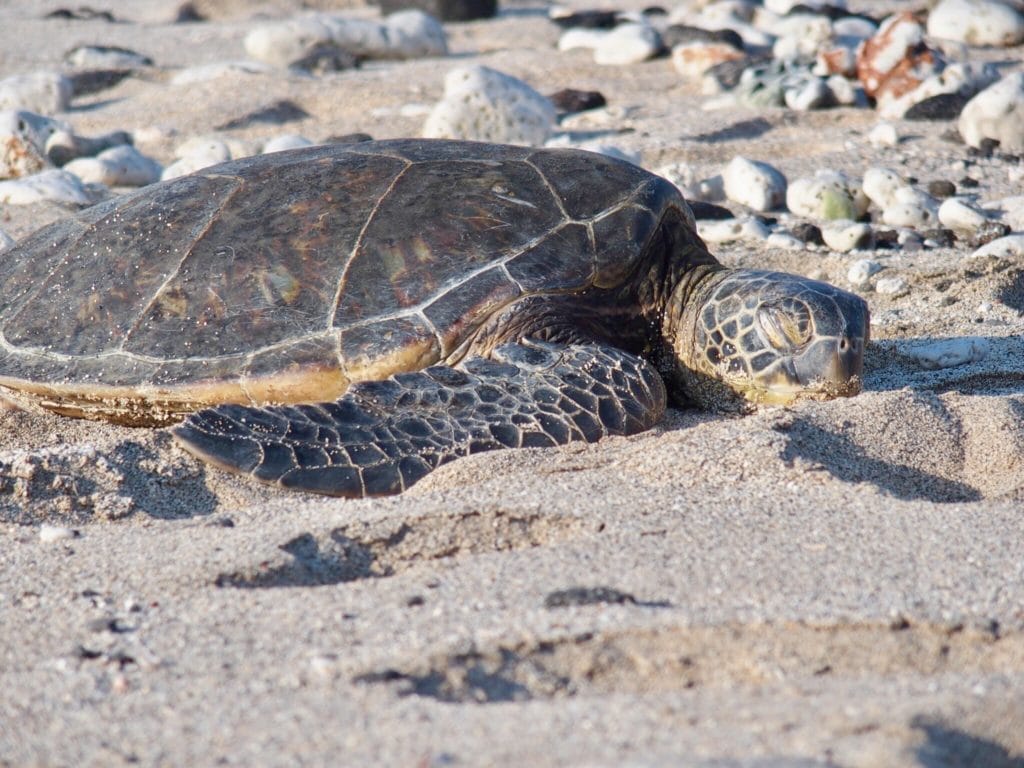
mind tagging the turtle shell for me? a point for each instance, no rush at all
(285, 277)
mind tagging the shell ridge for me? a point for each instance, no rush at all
(343, 279)
(554, 192)
(503, 266)
(177, 267)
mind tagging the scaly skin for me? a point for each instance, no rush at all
(381, 437)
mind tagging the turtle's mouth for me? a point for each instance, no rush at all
(787, 393)
(826, 369)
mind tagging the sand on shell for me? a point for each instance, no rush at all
(830, 584)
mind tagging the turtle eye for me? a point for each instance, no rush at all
(786, 325)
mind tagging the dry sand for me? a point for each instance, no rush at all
(833, 584)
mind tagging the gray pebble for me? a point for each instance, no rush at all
(43, 92)
(56, 186)
(861, 271)
(105, 57)
(949, 353)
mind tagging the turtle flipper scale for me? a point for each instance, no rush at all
(378, 440)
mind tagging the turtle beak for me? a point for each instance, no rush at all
(832, 366)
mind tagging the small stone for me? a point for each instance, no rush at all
(285, 142)
(959, 215)
(861, 271)
(445, 10)
(703, 211)
(55, 186)
(808, 233)
(942, 106)
(977, 22)
(941, 189)
(275, 113)
(895, 60)
(105, 57)
(88, 81)
(784, 241)
(411, 35)
(188, 13)
(727, 75)
(801, 36)
(949, 353)
(628, 44)
(754, 184)
(732, 230)
(988, 232)
(692, 60)
(23, 137)
(997, 113)
(42, 92)
(577, 596)
(812, 93)
(880, 185)
(82, 13)
(403, 35)
(684, 34)
(482, 104)
(892, 286)
(887, 238)
(846, 236)
(939, 238)
(581, 37)
(884, 135)
(51, 533)
(588, 19)
(63, 146)
(122, 166)
(764, 86)
(1010, 246)
(827, 195)
(196, 154)
(569, 100)
(911, 208)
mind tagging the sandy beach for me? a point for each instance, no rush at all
(832, 583)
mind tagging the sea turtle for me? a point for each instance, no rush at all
(346, 318)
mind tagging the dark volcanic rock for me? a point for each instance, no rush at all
(569, 100)
(941, 189)
(676, 34)
(588, 19)
(709, 211)
(445, 10)
(807, 232)
(945, 106)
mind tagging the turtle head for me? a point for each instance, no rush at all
(769, 337)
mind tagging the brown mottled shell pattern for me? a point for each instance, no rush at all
(286, 277)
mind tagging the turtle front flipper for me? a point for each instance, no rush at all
(381, 437)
